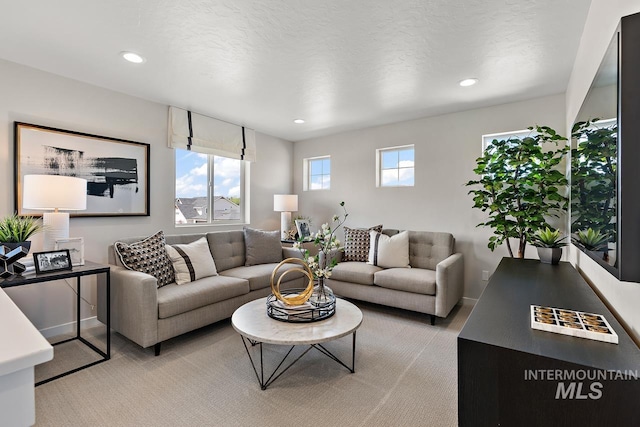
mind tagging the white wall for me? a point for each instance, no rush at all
(33, 96)
(603, 19)
(445, 149)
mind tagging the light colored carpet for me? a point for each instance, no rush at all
(406, 375)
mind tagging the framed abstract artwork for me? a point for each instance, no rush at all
(116, 170)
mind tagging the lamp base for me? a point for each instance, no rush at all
(56, 226)
(285, 221)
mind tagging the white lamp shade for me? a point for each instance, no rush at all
(54, 192)
(285, 202)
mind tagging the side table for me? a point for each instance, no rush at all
(89, 268)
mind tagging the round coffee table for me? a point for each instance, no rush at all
(256, 328)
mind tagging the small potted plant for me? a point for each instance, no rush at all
(549, 244)
(593, 240)
(15, 230)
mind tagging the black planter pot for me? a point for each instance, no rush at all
(549, 255)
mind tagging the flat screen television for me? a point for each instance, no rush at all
(605, 160)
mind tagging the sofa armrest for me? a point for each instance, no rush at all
(134, 305)
(449, 283)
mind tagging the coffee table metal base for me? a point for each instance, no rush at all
(279, 370)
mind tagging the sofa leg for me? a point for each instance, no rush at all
(156, 348)
(433, 319)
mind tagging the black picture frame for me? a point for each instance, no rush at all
(116, 170)
(47, 262)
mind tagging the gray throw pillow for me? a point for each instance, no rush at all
(262, 247)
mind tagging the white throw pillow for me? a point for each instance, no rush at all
(389, 251)
(192, 261)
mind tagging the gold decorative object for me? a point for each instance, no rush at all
(300, 298)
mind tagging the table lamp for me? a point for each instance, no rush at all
(285, 203)
(53, 192)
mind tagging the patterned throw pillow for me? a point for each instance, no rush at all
(192, 261)
(356, 243)
(148, 256)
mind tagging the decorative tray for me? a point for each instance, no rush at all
(304, 313)
(575, 323)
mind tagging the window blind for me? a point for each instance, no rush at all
(202, 134)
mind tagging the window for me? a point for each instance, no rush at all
(209, 189)
(317, 172)
(396, 166)
(486, 139)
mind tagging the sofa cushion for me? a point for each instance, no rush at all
(191, 261)
(389, 251)
(356, 243)
(174, 299)
(147, 256)
(227, 248)
(416, 280)
(262, 247)
(427, 249)
(259, 276)
(355, 272)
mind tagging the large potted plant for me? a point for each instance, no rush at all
(520, 185)
(16, 230)
(549, 244)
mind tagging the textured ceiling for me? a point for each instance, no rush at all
(338, 64)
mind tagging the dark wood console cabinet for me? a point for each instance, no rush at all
(512, 375)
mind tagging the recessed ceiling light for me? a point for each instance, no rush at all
(468, 82)
(132, 57)
(298, 121)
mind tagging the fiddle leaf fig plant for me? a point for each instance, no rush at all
(520, 185)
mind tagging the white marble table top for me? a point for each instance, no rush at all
(251, 321)
(21, 344)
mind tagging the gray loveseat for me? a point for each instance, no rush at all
(433, 285)
(149, 315)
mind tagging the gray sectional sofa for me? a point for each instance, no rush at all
(149, 315)
(433, 285)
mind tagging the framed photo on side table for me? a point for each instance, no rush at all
(75, 245)
(303, 229)
(47, 262)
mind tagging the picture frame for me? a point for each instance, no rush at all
(303, 229)
(116, 170)
(50, 261)
(75, 246)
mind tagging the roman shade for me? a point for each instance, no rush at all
(202, 134)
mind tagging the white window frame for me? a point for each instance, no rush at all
(244, 194)
(379, 153)
(306, 172)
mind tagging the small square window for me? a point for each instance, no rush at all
(396, 167)
(317, 173)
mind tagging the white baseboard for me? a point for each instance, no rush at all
(69, 328)
(474, 300)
